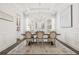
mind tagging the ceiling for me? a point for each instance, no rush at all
(20, 8)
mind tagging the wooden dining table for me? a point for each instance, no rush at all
(34, 35)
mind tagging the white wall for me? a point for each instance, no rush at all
(70, 35)
(7, 34)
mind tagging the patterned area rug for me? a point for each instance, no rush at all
(40, 48)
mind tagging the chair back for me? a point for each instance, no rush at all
(52, 35)
(28, 34)
(40, 34)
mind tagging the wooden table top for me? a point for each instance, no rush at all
(35, 34)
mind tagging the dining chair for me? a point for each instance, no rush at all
(52, 37)
(39, 37)
(29, 37)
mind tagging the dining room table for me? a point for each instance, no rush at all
(35, 35)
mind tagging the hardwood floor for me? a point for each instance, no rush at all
(41, 49)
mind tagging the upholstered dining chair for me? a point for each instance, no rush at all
(52, 37)
(29, 37)
(39, 37)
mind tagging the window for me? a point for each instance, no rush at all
(28, 26)
(51, 24)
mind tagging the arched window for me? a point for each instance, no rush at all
(51, 24)
(28, 25)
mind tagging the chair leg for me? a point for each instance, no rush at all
(42, 43)
(37, 41)
(52, 43)
(29, 43)
(26, 43)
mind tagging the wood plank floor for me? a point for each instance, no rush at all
(41, 49)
